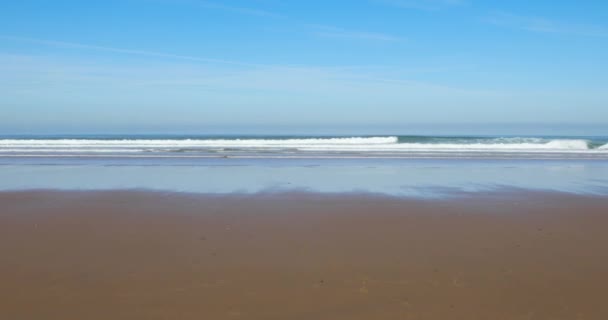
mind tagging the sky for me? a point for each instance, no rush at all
(224, 66)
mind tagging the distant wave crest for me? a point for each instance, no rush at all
(358, 145)
(201, 142)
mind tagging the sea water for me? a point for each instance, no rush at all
(396, 165)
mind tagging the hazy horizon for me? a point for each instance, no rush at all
(414, 129)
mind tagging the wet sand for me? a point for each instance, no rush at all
(146, 255)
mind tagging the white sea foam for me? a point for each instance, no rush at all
(326, 145)
(201, 142)
(568, 144)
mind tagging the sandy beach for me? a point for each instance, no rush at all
(146, 255)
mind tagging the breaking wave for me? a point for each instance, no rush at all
(359, 145)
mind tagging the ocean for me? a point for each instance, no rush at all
(396, 165)
(306, 146)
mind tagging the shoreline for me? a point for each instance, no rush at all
(167, 255)
(418, 178)
(486, 196)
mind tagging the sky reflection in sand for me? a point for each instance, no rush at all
(400, 177)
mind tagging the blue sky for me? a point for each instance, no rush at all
(197, 65)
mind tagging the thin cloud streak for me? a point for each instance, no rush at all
(243, 10)
(21, 70)
(220, 6)
(74, 45)
(335, 32)
(427, 5)
(544, 25)
(319, 30)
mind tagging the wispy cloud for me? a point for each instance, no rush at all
(224, 7)
(28, 75)
(544, 25)
(243, 10)
(335, 32)
(74, 45)
(319, 30)
(428, 5)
